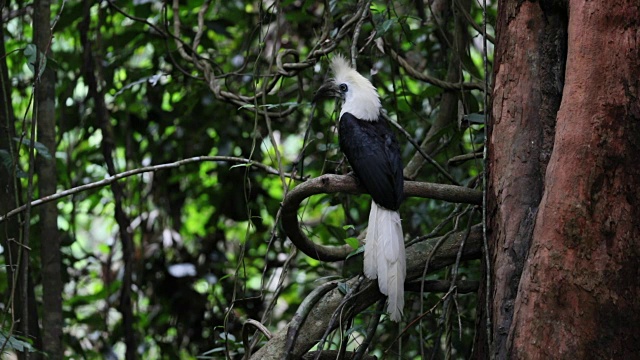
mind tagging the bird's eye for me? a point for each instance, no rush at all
(343, 88)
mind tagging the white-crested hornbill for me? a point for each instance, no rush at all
(372, 151)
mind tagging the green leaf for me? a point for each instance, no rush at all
(13, 343)
(475, 118)
(343, 288)
(31, 52)
(42, 150)
(7, 161)
(386, 25)
(241, 165)
(356, 328)
(353, 242)
(356, 252)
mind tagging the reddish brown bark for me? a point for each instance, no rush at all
(579, 293)
(564, 238)
(529, 69)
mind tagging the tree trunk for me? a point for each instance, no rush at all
(92, 72)
(47, 180)
(565, 237)
(10, 230)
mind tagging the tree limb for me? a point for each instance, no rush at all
(317, 321)
(330, 183)
(430, 79)
(108, 180)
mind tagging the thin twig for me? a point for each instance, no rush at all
(303, 311)
(430, 79)
(203, 10)
(371, 330)
(125, 174)
(421, 316)
(339, 314)
(442, 286)
(485, 247)
(421, 151)
(356, 32)
(245, 334)
(464, 157)
(140, 20)
(478, 28)
(436, 230)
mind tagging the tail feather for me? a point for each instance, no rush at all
(371, 245)
(384, 256)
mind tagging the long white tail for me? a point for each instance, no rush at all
(384, 256)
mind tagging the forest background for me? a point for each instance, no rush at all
(202, 207)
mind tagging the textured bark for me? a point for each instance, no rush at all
(580, 295)
(47, 180)
(528, 83)
(319, 317)
(564, 277)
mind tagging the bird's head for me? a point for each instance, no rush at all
(359, 96)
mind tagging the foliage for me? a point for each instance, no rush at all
(208, 250)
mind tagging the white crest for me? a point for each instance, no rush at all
(361, 99)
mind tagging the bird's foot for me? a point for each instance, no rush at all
(353, 175)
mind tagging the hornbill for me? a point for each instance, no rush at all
(372, 151)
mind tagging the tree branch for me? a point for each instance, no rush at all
(92, 73)
(318, 319)
(473, 23)
(430, 79)
(125, 174)
(443, 286)
(330, 184)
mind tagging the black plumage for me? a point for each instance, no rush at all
(372, 150)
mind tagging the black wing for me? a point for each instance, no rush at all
(373, 152)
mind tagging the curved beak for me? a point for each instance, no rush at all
(327, 90)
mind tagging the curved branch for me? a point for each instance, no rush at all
(330, 184)
(303, 311)
(245, 334)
